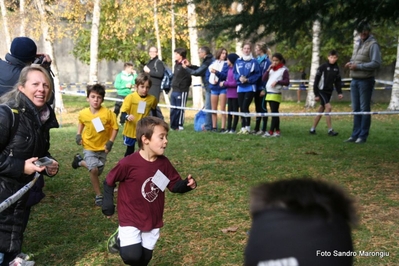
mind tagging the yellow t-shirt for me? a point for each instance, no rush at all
(131, 105)
(91, 139)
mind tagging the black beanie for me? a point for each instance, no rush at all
(232, 57)
(24, 49)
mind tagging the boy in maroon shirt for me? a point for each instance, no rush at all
(143, 177)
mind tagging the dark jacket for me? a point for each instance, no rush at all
(202, 70)
(9, 72)
(327, 77)
(181, 79)
(157, 71)
(32, 139)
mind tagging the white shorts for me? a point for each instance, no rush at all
(130, 235)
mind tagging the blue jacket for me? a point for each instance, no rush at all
(9, 72)
(249, 69)
(264, 65)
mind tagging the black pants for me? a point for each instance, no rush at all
(232, 106)
(275, 125)
(117, 109)
(260, 107)
(135, 255)
(244, 101)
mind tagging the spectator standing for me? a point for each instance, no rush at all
(327, 76)
(277, 76)
(260, 101)
(366, 59)
(246, 73)
(218, 93)
(229, 82)
(156, 69)
(207, 59)
(124, 84)
(20, 149)
(97, 130)
(180, 85)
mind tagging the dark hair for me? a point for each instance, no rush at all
(98, 88)
(181, 51)
(363, 26)
(219, 52)
(333, 52)
(304, 196)
(142, 78)
(125, 65)
(205, 49)
(145, 127)
(279, 56)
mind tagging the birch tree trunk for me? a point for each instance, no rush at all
(22, 27)
(48, 48)
(173, 33)
(94, 43)
(157, 30)
(310, 102)
(5, 23)
(394, 103)
(198, 101)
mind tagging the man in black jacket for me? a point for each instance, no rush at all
(204, 53)
(155, 68)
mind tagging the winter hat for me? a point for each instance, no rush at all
(24, 49)
(232, 57)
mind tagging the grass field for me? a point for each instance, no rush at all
(67, 229)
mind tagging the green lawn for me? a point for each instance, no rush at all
(67, 229)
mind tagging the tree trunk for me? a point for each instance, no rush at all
(5, 23)
(157, 30)
(94, 43)
(310, 102)
(22, 17)
(198, 101)
(48, 47)
(394, 103)
(173, 33)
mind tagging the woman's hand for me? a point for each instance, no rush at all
(30, 167)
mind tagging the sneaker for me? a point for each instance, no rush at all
(223, 131)
(241, 131)
(214, 129)
(332, 133)
(99, 200)
(181, 128)
(260, 133)
(76, 160)
(350, 140)
(252, 132)
(360, 141)
(113, 244)
(276, 133)
(267, 134)
(232, 132)
(21, 262)
(313, 132)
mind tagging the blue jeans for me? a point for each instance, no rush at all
(361, 92)
(208, 120)
(1, 258)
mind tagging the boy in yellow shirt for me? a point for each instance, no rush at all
(97, 130)
(137, 105)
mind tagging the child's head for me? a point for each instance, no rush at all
(152, 132)
(95, 95)
(221, 54)
(128, 68)
(232, 58)
(180, 54)
(143, 84)
(278, 58)
(332, 57)
(261, 48)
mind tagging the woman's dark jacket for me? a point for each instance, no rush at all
(32, 139)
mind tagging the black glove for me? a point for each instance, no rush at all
(78, 139)
(108, 145)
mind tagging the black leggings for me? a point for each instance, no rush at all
(135, 255)
(260, 107)
(275, 125)
(232, 106)
(244, 101)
